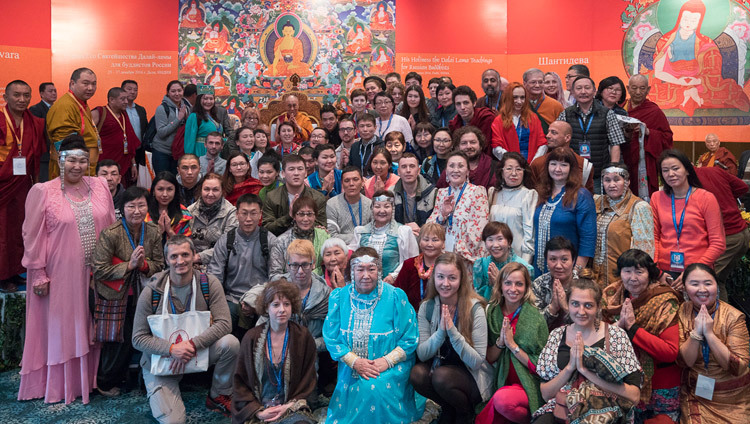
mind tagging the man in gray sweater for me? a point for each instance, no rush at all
(164, 391)
(240, 260)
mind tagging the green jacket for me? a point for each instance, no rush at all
(531, 336)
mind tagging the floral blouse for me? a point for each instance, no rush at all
(469, 218)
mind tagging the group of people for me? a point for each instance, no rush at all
(507, 257)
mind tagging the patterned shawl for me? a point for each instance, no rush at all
(655, 310)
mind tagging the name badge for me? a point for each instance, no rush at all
(19, 165)
(676, 261)
(585, 149)
(705, 387)
(450, 241)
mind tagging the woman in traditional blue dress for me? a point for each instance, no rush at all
(375, 355)
(393, 242)
(202, 121)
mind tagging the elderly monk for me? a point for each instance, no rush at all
(71, 114)
(658, 135)
(21, 147)
(302, 125)
(718, 156)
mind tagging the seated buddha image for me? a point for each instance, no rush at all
(220, 80)
(287, 55)
(192, 16)
(688, 68)
(216, 39)
(381, 19)
(193, 61)
(381, 62)
(358, 40)
(355, 79)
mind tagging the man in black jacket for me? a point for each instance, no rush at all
(48, 93)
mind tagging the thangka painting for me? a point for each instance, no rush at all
(248, 50)
(695, 53)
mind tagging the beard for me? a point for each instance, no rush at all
(490, 91)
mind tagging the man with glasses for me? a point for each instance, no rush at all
(347, 133)
(546, 108)
(240, 261)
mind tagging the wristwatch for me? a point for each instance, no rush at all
(516, 350)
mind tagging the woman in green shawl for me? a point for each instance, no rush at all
(514, 354)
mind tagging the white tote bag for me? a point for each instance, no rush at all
(146, 173)
(177, 328)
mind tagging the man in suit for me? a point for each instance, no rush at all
(48, 93)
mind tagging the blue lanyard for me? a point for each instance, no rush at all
(442, 122)
(278, 373)
(281, 147)
(351, 212)
(519, 130)
(677, 228)
(586, 131)
(307, 296)
(362, 159)
(461, 193)
(705, 350)
(497, 105)
(421, 289)
(437, 168)
(130, 239)
(380, 127)
(515, 314)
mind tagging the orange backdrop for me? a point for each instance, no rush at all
(137, 39)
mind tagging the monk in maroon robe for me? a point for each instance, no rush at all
(21, 136)
(658, 134)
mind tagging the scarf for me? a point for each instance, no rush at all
(543, 232)
(419, 265)
(655, 310)
(299, 233)
(210, 211)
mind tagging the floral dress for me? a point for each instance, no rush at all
(468, 220)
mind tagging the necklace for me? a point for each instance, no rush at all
(85, 222)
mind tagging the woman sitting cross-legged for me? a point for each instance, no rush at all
(372, 332)
(276, 365)
(453, 371)
(514, 353)
(589, 368)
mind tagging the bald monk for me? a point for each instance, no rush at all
(718, 156)
(559, 135)
(658, 133)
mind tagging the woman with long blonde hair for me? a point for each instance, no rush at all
(514, 354)
(452, 346)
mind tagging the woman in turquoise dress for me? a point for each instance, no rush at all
(375, 356)
(201, 122)
(498, 239)
(393, 242)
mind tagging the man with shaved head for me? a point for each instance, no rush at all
(658, 134)
(718, 156)
(559, 134)
(302, 124)
(492, 91)
(546, 108)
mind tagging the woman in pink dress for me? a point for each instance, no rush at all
(63, 219)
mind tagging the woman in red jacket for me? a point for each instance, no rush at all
(516, 127)
(647, 310)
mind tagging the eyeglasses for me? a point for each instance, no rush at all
(571, 76)
(305, 214)
(614, 89)
(510, 170)
(238, 165)
(441, 140)
(383, 103)
(346, 129)
(296, 267)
